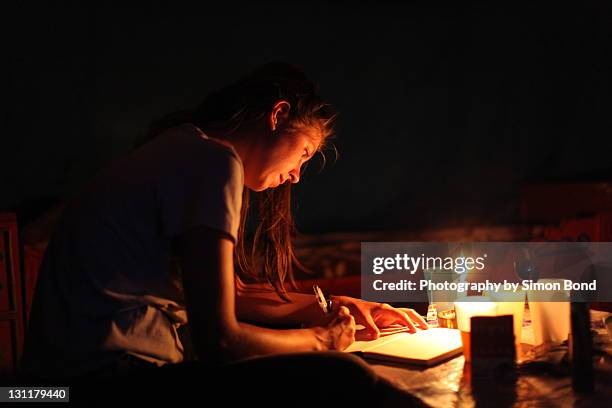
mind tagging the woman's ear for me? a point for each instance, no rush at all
(279, 114)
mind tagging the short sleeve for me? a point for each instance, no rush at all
(203, 189)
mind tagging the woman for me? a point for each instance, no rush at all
(106, 298)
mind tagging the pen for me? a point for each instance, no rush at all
(325, 304)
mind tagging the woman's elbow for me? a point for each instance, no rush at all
(220, 345)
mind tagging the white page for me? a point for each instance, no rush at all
(368, 344)
(422, 345)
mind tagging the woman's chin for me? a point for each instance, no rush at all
(258, 187)
(261, 185)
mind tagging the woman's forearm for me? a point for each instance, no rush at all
(242, 340)
(253, 340)
(261, 304)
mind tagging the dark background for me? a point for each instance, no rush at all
(445, 112)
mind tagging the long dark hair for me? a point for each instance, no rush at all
(270, 257)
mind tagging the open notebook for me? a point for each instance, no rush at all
(425, 347)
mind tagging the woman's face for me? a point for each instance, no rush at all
(280, 161)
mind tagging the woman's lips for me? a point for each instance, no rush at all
(281, 180)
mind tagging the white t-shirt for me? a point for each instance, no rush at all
(105, 287)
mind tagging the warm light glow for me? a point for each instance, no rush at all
(511, 303)
(465, 309)
(473, 306)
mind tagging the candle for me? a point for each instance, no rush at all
(511, 303)
(466, 308)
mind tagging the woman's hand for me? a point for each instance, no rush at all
(375, 316)
(339, 333)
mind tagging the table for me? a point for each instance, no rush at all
(537, 384)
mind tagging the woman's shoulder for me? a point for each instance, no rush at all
(202, 142)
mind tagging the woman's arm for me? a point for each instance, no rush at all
(208, 281)
(259, 303)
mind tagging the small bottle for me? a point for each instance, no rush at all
(432, 315)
